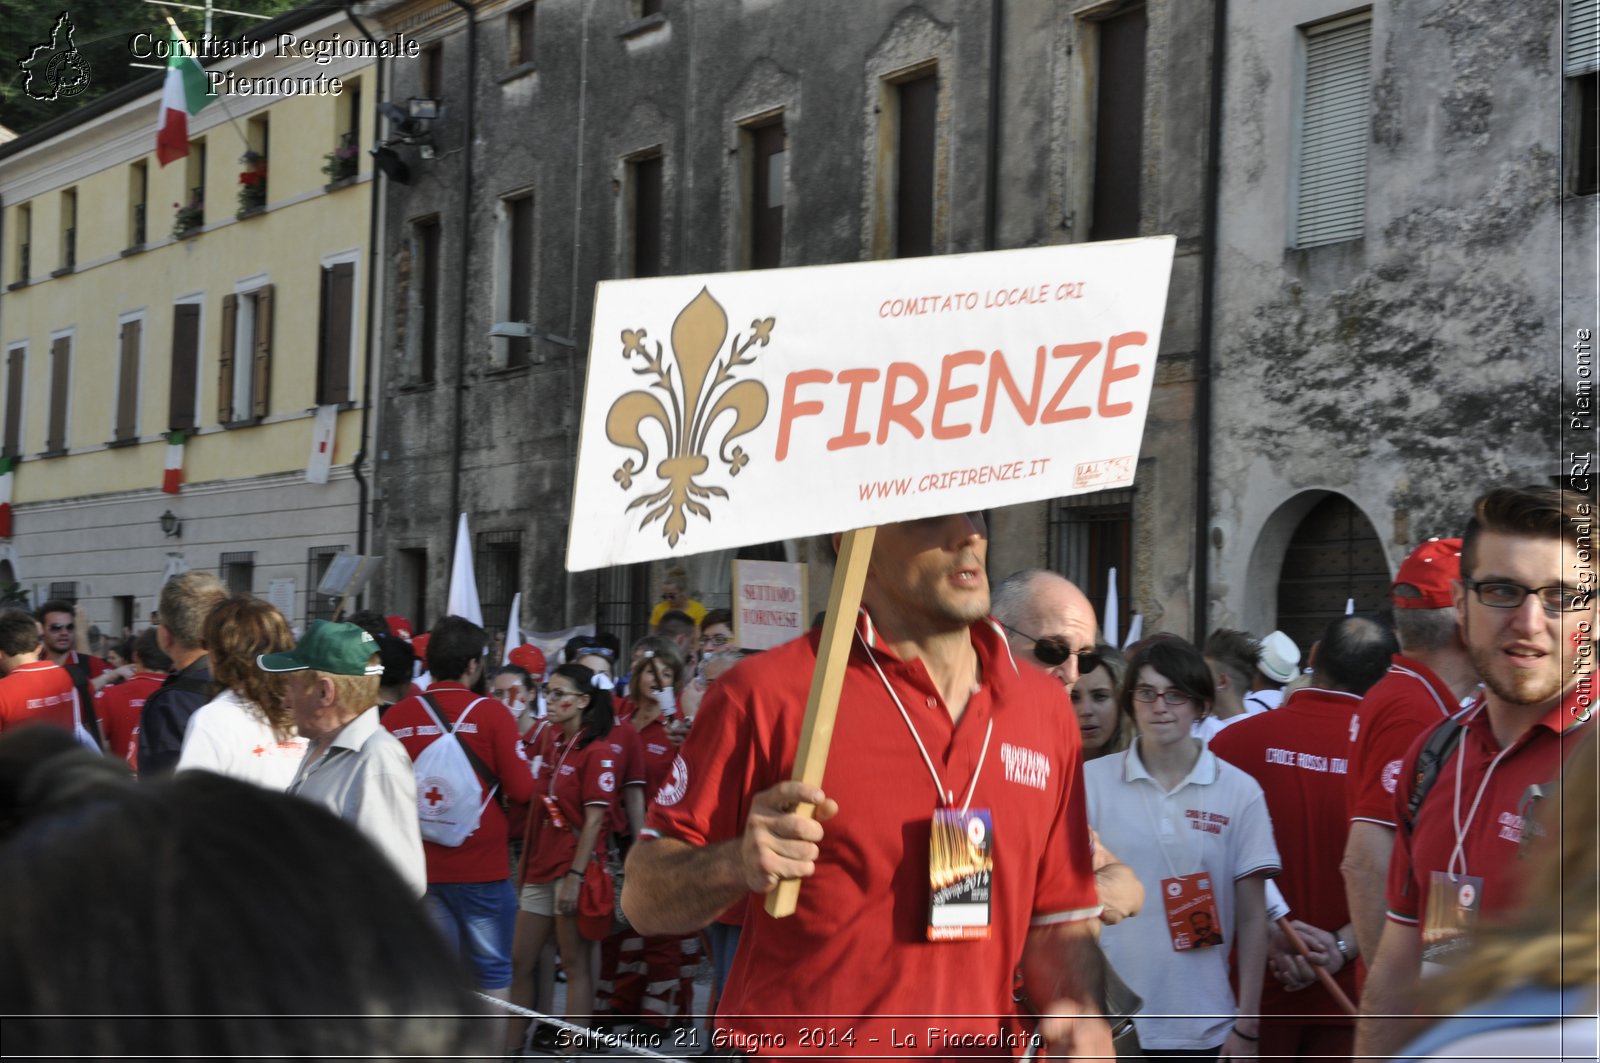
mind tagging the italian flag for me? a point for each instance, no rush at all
(8, 477)
(172, 480)
(184, 94)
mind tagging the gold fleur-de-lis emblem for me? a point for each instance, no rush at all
(689, 412)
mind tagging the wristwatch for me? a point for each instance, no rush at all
(1343, 946)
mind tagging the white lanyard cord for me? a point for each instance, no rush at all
(946, 797)
(1459, 853)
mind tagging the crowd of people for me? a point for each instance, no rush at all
(1025, 836)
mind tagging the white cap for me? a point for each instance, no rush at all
(1280, 657)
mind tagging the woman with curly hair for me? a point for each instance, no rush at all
(246, 730)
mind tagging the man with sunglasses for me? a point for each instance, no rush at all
(939, 728)
(1526, 611)
(1049, 620)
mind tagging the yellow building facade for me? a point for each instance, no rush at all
(127, 317)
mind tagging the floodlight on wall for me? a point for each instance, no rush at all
(420, 107)
(171, 525)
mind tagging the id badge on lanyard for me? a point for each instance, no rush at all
(1453, 903)
(1191, 906)
(960, 874)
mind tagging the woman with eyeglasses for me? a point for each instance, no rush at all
(1196, 832)
(575, 786)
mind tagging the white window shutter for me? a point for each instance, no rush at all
(1334, 130)
(1582, 46)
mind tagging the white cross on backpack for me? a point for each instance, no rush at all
(448, 788)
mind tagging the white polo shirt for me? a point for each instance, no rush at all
(1215, 820)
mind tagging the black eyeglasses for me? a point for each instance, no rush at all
(1498, 594)
(1169, 697)
(1053, 650)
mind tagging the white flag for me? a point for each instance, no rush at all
(463, 598)
(322, 428)
(1111, 622)
(1135, 630)
(513, 629)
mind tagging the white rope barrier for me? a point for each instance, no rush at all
(588, 1037)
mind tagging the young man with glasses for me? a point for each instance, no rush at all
(1526, 610)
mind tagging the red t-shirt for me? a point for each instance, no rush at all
(855, 955)
(1492, 837)
(1297, 754)
(576, 777)
(39, 692)
(118, 708)
(491, 733)
(1407, 701)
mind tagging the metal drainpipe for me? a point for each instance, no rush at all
(1208, 298)
(372, 296)
(991, 199)
(466, 242)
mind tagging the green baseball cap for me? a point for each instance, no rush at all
(339, 649)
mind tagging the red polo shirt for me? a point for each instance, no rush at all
(491, 733)
(855, 955)
(658, 753)
(576, 776)
(97, 665)
(39, 692)
(1297, 754)
(1407, 701)
(1492, 836)
(118, 707)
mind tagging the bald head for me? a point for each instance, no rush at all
(1353, 654)
(1035, 605)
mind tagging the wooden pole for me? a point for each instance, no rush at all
(1322, 972)
(827, 680)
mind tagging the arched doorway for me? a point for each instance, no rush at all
(1333, 556)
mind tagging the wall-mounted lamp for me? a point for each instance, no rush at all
(171, 526)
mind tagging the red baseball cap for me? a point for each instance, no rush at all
(1430, 569)
(529, 657)
(399, 626)
(419, 646)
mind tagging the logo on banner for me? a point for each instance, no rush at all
(697, 397)
(55, 70)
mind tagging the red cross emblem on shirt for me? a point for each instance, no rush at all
(434, 796)
(259, 750)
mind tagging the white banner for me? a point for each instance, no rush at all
(323, 425)
(769, 603)
(728, 409)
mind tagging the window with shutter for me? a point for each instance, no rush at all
(16, 361)
(230, 325)
(260, 392)
(60, 373)
(1331, 183)
(181, 400)
(127, 425)
(333, 361)
(425, 236)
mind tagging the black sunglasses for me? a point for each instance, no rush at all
(1053, 650)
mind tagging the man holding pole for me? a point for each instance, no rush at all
(950, 848)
